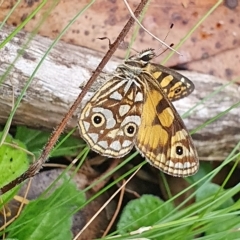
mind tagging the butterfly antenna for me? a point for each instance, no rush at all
(171, 45)
(171, 26)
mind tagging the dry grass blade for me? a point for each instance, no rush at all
(104, 205)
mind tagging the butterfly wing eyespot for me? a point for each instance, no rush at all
(177, 90)
(130, 129)
(179, 150)
(98, 119)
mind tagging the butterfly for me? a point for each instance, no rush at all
(134, 108)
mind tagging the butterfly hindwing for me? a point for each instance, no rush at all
(110, 120)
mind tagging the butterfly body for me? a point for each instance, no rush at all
(134, 109)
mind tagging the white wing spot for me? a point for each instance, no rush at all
(134, 119)
(116, 145)
(179, 165)
(103, 144)
(93, 136)
(126, 143)
(110, 123)
(86, 125)
(139, 97)
(187, 165)
(116, 96)
(123, 109)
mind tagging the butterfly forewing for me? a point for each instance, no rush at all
(162, 137)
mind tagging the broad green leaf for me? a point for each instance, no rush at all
(142, 212)
(14, 160)
(227, 226)
(210, 189)
(49, 218)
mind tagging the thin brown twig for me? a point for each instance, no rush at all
(117, 210)
(35, 167)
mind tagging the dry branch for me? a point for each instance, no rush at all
(56, 85)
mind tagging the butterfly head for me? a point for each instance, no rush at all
(142, 58)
